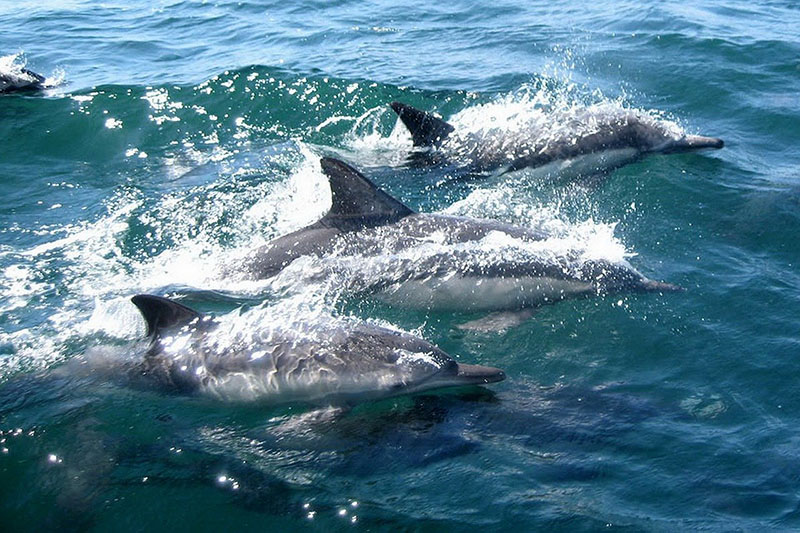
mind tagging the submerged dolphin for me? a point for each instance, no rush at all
(361, 362)
(610, 142)
(23, 80)
(365, 223)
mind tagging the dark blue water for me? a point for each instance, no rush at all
(177, 136)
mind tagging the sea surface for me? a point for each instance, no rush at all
(176, 136)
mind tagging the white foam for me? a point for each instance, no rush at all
(198, 235)
(368, 139)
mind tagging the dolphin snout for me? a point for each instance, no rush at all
(697, 142)
(660, 286)
(691, 143)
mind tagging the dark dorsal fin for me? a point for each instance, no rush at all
(426, 129)
(163, 313)
(356, 200)
(38, 77)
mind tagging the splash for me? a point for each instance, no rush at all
(190, 238)
(366, 136)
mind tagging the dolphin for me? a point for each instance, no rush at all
(371, 229)
(23, 80)
(607, 142)
(342, 363)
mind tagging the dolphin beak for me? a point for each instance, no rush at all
(660, 286)
(691, 143)
(479, 375)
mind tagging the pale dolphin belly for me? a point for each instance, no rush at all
(584, 165)
(471, 294)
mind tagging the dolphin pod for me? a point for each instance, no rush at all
(354, 363)
(363, 361)
(358, 362)
(613, 142)
(364, 222)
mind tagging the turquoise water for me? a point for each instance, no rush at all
(177, 136)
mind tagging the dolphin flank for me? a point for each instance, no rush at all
(345, 363)
(611, 142)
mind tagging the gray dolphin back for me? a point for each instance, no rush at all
(426, 129)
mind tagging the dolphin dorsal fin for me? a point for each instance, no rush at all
(426, 129)
(163, 313)
(356, 200)
(37, 77)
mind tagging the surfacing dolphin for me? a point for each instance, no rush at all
(21, 80)
(340, 363)
(601, 145)
(369, 227)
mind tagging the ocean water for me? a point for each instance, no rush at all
(176, 136)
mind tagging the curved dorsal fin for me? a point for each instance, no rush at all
(356, 200)
(163, 313)
(37, 77)
(426, 129)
